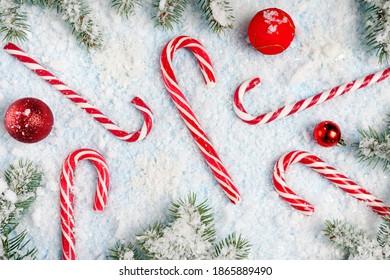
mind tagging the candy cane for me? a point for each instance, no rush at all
(302, 104)
(67, 197)
(82, 103)
(318, 165)
(187, 113)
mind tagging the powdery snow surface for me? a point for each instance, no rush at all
(328, 50)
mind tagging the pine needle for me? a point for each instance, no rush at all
(22, 182)
(13, 22)
(168, 12)
(78, 16)
(218, 13)
(356, 244)
(189, 234)
(377, 15)
(232, 248)
(125, 7)
(374, 147)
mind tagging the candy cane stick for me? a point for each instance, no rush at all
(82, 103)
(302, 104)
(67, 197)
(318, 165)
(187, 113)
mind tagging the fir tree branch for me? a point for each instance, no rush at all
(188, 207)
(344, 237)
(42, 3)
(188, 235)
(124, 252)
(355, 244)
(383, 236)
(377, 15)
(148, 236)
(232, 248)
(218, 13)
(374, 147)
(125, 7)
(168, 12)
(14, 248)
(78, 16)
(21, 181)
(13, 21)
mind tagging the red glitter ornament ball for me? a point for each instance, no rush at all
(327, 134)
(271, 31)
(28, 120)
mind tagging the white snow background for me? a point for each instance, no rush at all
(328, 50)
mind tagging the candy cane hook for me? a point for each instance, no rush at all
(138, 103)
(67, 197)
(330, 173)
(178, 98)
(302, 104)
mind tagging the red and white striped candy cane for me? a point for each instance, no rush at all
(38, 69)
(330, 173)
(67, 197)
(200, 137)
(302, 104)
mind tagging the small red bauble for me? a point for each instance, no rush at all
(28, 120)
(327, 134)
(271, 31)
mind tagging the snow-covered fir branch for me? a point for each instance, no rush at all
(377, 22)
(356, 244)
(13, 21)
(17, 192)
(374, 147)
(125, 7)
(219, 14)
(168, 12)
(77, 14)
(189, 235)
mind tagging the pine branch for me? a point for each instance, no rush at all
(13, 21)
(125, 7)
(188, 235)
(388, 123)
(42, 3)
(188, 208)
(374, 148)
(147, 237)
(14, 248)
(232, 248)
(78, 16)
(377, 15)
(345, 237)
(355, 244)
(384, 233)
(124, 252)
(21, 181)
(168, 12)
(219, 14)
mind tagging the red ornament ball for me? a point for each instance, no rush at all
(28, 120)
(271, 31)
(327, 134)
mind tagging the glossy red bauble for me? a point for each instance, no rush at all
(327, 134)
(28, 120)
(271, 31)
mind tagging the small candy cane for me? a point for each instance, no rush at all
(82, 103)
(318, 165)
(187, 113)
(67, 197)
(304, 103)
